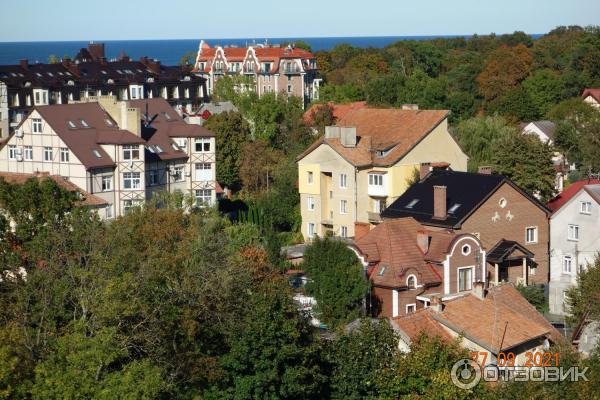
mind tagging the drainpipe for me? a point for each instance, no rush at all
(355, 199)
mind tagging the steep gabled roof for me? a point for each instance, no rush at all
(594, 92)
(568, 193)
(547, 127)
(465, 189)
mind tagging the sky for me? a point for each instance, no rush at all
(37, 20)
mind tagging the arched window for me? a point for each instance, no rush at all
(411, 282)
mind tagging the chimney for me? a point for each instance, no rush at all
(24, 64)
(332, 132)
(424, 170)
(439, 202)
(130, 119)
(479, 290)
(348, 136)
(423, 240)
(436, 304)
(485, 170)
(413, 107)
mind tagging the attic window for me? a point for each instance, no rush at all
(167, 116)
(382, 271)
(412, 203)
(97, 153)
(175, 147)
(159, 149)
(150, 149)
(84, 124)
(453, 209)
(104, 72)
(37, 73)
(108, 122)
(50, 73)
(71, 124)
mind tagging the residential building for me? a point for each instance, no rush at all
(408, 263)
(511, 224)
(90, 74)
(488, 321)
(591, 96)
(118, 151)
(365, 162)
(4, 121)
(207, 109)
(273, 69)
(574, 238)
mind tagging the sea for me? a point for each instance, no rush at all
(169, 52)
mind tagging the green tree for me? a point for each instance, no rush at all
(232, 133)
(545, 89)
(527, 162)
(535, 296)
(515, 105)
(53, 59)
(583, 298)
(337, 280)
(188, 58)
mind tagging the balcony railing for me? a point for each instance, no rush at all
(291, 70)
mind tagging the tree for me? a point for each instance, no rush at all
(358, 357)
(322, 116)
(337, 281)
(535, 296)
(583, 298)
(515, 105)
(545, 89)
(525, 160)
(188, 58)
(300, 44)
(259, 162)
(232, 133)
(479, 135)
(53, 59)
(504, 69)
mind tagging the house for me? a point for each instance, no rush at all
(511, 224)
(408, 263)
(207, 109)
(574, 238)
(591, 96)
(366, 161)
(489, 321)
(273, 69)
(121, 152)
(90, 74)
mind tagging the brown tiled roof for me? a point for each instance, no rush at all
(163, 129)
(594, 92)
(420, 323)
(377, 129)
(86, 199)
(84, 140)
(393, 245)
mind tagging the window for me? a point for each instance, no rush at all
(466, 250)
(106, 183)
(202, 145)
(97, 153)
(465, 279)
(573, 232)
(134, 92)
(344, 231)
(411, 282)
(12, 152)
(585, 207)
(109, 211)
(128, 205)
(153, 177)
(379, 205)
(502, 202)
(36, 125)
(64, 154)
(178, 173)
(343, 181)
(343, 206)
(567, 264)
(203, 197)
(181, 142)
(28, 153)
(412, 203)
(531, 235)
(311, 229)
(411, 308)
(131, 180)
(311, 203)
(376, 179)
(453, 209)
(204, 172)
(47, 153)
(289, 88)
(309, 177)
(131, 152)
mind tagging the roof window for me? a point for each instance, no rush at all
(453, 209)
(72, 124)
(97, 153)
(382, 271)
(167, 116)
(83, 123)
(412, 203)
(108, 122)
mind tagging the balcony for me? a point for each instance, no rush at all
(374, 217)
(291, 70)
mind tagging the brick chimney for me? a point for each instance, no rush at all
(96, 50)
(24, 64)
(439, 202)
(479, 290)
(436, 304)
(485, 170)
(424, 170)
(423, 240)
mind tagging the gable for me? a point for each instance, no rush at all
(325, 156)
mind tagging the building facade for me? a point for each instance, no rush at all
(90, 75)
(121, 152)
(272, 69)
(574, 238)
(365, 162)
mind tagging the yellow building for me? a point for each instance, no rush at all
(365, 162)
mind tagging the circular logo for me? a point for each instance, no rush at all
(465, 374)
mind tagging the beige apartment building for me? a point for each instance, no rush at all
(365, 162)
(120, 152)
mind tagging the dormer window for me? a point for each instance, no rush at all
(108, 122)
(411, 282)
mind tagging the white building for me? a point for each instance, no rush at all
(110, 149)
(574, 238)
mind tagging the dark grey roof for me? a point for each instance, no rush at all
(502, 251)
(465, 189)
(545, 126)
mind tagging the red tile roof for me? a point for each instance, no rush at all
(594, 92)
(86, 199)
(568, 193)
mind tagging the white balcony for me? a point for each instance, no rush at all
(378, 185)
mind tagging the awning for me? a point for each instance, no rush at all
(508, 250)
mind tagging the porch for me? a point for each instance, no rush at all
(510, 261)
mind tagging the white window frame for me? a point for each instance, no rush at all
(412, 306)
(108, 210)
(204, 144)
(133, 180)
(343, 181)
(573, 232)
(64, 155)
(376, 179)
(344, 231)
(12, 152)
(567, 261)
(585, 207)
(458, 271)
(200, 174)
(36, 125)
(202, 199)
(408, 278)
(130, 151)
(106, 183)
(178, 173)
(310, 203)
(535, 234)
(343, 206)
(28, 153)
(310, 177)
(48, 154)
(311, 230)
